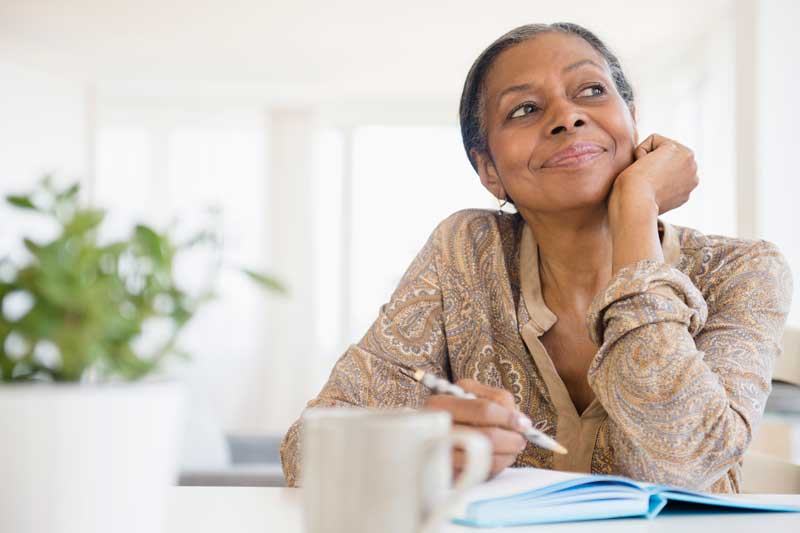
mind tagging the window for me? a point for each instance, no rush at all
(162, 167)
(405, 180)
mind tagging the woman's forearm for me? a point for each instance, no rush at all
(634, 228)
(672, 419)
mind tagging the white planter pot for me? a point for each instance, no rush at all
(87, 458)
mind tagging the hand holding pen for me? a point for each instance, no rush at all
(491, 411)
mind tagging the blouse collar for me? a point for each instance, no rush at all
(541, 316)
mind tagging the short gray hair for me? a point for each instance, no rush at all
(473, 132)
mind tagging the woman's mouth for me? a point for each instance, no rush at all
(575, 155)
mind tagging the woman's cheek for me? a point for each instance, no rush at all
(512, 156)
(625, 150)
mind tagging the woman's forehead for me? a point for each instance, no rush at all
(540, 57)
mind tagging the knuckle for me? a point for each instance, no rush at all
(494, 435)
(505, 397)
(511, 419)
(483, 409)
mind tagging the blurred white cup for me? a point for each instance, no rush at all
(389, 471)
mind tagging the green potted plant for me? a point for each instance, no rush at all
(91, 426)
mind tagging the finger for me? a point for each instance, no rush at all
(502, 440)
(479, 412)
(651, 143)
(499, 461)
(497, 467)
(645, 147)
(501, 396)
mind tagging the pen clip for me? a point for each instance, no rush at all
(413, 373)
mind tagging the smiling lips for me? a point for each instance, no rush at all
(574, 155)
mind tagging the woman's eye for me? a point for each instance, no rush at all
(524, 109)
(594, 90)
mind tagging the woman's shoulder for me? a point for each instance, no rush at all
(476, 223)
(472, 236)
(695, 244)
(713, 261)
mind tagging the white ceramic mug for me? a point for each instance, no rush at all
(388, 471)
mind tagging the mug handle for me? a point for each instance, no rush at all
(478, 454)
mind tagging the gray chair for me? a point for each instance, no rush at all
(255, 462)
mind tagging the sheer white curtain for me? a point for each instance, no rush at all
(171, 167)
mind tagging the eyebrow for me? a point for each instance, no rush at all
(527, 86)
(580, 64)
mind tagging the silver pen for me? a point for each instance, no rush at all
(442, 386)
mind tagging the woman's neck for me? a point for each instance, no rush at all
(574, 255)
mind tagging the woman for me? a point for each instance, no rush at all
(647, 349)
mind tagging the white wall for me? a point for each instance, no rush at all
(42, 129)
(777, 105)
(691, 99)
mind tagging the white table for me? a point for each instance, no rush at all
(263, 510)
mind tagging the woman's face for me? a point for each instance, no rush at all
(546, 95)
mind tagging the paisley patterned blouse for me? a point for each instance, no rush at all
(681, 375)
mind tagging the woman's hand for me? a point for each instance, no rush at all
(494, 414)
(661, 178)
(664, 173)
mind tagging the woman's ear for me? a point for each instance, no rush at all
(632, 109)
(488, 174)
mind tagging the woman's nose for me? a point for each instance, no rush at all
(566, 117)
(558, 129)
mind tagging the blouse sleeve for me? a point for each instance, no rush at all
(409, 330)
(683, 386)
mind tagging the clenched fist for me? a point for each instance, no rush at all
(664, 172)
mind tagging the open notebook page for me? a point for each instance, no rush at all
(514, 481)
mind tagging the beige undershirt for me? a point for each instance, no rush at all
(577, 433)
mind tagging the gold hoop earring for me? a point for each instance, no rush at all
(501, 205)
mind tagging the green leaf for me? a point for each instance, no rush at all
(266, 282)
(31, 246)
(23, 202)
(84, 221)
(70, 193)
(151, 242)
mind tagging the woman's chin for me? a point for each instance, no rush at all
(591, 194)
(571, 199)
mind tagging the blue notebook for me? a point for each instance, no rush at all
(526, 496)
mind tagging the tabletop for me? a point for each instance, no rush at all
(262, 509)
